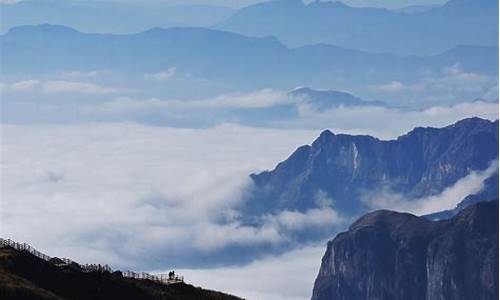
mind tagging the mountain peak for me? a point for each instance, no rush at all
(323, 139)
(347, 166)
(471, 121)
(326, 134)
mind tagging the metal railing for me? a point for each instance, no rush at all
(87, 268)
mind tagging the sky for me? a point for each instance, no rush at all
(242, 3)
(361, 3)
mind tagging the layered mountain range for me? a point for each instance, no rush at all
(389, 255)
(414, 30)
(345, 171)
(224, 58)
(433, 30)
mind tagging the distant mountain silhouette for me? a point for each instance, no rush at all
(458, 22)
(325, 99)
(109, 16)
(389, 255)
(346, 169)
(222, 57)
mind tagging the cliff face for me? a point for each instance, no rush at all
(344, 168)
(388, 255)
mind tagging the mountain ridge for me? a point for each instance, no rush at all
(347, 168)
(371, 29)
(229, 59)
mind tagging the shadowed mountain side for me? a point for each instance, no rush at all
(389, 255)
(342, 171)
(24, 276)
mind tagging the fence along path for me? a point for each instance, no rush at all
(167, 279)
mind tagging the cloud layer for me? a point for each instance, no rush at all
(451, 85)
(264, 108)
(76, 190)
(284, 277)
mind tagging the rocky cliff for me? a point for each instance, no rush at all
(346, 168)
(388, 255)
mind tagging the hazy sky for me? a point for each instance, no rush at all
(240, 3)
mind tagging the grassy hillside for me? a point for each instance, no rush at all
(24, 276)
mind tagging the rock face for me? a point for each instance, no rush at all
(388, 255)
(346, 169)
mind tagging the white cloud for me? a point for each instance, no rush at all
(56, 86)
(273, 229)
(210, 237)
(391, 87)
(286, 277)
(74, 190)
(385, 122)
(161, 76)
(294, 220)
(382, 122)
(447, 199)
(258, 99)
(25, 85)
(451, 85)
(62, 86)
(85, 74)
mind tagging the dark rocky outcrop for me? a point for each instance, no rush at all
(388, 255)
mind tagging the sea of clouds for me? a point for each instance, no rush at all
(97, 173)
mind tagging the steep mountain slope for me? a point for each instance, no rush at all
(222, 57)
(347, 170)
(389, 255)
(458, 22)
(24, 276)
